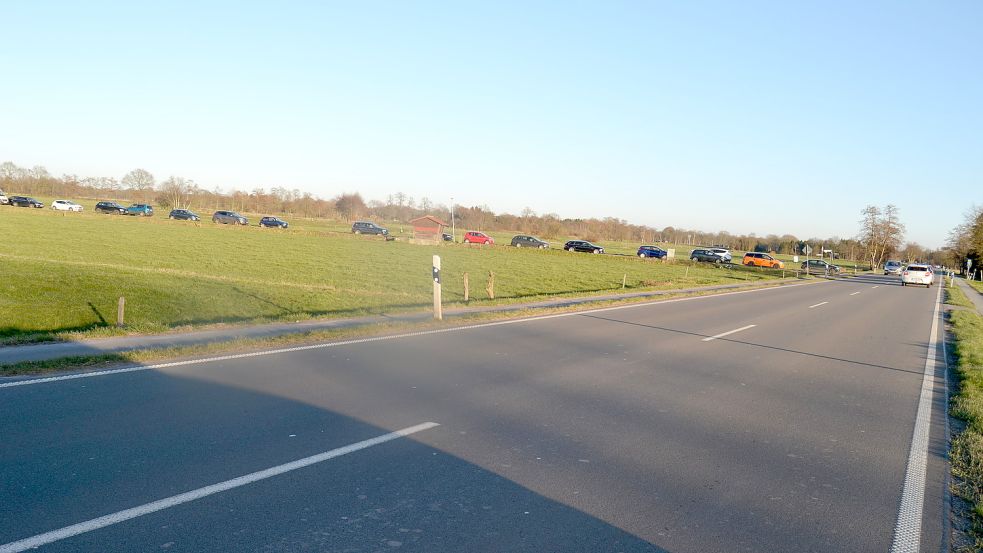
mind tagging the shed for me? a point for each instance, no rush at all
(428, 227)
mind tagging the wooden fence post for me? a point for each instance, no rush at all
(491, 285)
(120, 308)
(467, 289)
(624, 281)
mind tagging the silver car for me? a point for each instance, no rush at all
(893, 268)
(723, 253)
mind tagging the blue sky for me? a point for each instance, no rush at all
(765, 117)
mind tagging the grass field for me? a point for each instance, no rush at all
(63, 273)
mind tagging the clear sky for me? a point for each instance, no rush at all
(766, 117)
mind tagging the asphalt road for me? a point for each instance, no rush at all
(628, 429)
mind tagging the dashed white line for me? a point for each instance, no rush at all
(876, 286)
(818, 304)
(908, 529)
(728, 333)
(461, 328)
(855, 293)
(174, 500)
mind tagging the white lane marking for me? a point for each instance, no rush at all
(174, 500)
(877, 286)
(818, 304)
(855, 293)
(908, 529)
(138, 368)
(728, 333)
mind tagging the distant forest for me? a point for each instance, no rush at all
(140, 185)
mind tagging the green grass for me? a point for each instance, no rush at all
(955, 296)
(63, 273)
(967, 446)
(976, 285)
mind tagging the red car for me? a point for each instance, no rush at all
(475, 237)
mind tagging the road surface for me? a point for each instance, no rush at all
(772, 420)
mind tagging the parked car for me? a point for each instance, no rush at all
(229, 218)
(24, 201)
(724, 254)
(582, 246)
(917, 274)
(475, 237)
(758, 259)
(820, 266)
(446, 237)
(272, 222)
(367, 227)
(183, 215)
(707, 255)
(652, 251)
(893, 267)
(110, 207)
(141, 210)
(4, 200)
(525, 241)
(65, 205)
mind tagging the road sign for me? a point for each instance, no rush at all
(806, 249)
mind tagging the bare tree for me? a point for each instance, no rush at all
(138, 179)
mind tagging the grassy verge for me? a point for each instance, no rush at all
(976, 285)
(967, 405)
(151, 355)
(955, 296)
(61, 274)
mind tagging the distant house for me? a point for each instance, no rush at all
(428, 228)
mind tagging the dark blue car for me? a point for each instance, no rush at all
(652, 251)
(272, 222)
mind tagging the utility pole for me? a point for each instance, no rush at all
(453, 225)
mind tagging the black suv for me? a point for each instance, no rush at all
(365, 227)
(582, 246)
(110, 207)
(273, 222)
(229, 218)
(524, 241)
(183, 215)
(24, 201)
(705, 255)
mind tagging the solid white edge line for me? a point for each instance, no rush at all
(908, 528)
(174, 500)
(818, 304)
(728, 333)
(137, 368)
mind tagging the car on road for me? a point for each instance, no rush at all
(917, 274)
(273, 222)
(140, 210)
(820, 266)
(229, 218)
(368, 227)
(893, 267)
(651, 251)
(183, 215)
(759, 259)
(65, 205)
(25, 201)
(475, 237)
(582, 246)
(707, 255)
(526, 241)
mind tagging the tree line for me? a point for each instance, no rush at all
(965, 241)
(879, 238)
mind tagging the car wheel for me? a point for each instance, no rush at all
(642, 255)
(357, 232)
(717, 260)
(597, 251)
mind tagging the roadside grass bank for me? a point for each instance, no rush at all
(61, 275)
(241, 345)
(966, 456)
(976, 285)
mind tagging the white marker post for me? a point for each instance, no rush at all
(438, 312)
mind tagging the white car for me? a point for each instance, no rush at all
(65, 205)
(917, 274)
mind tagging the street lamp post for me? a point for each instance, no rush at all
(453, 224)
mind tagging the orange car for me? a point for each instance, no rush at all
(755, 259)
